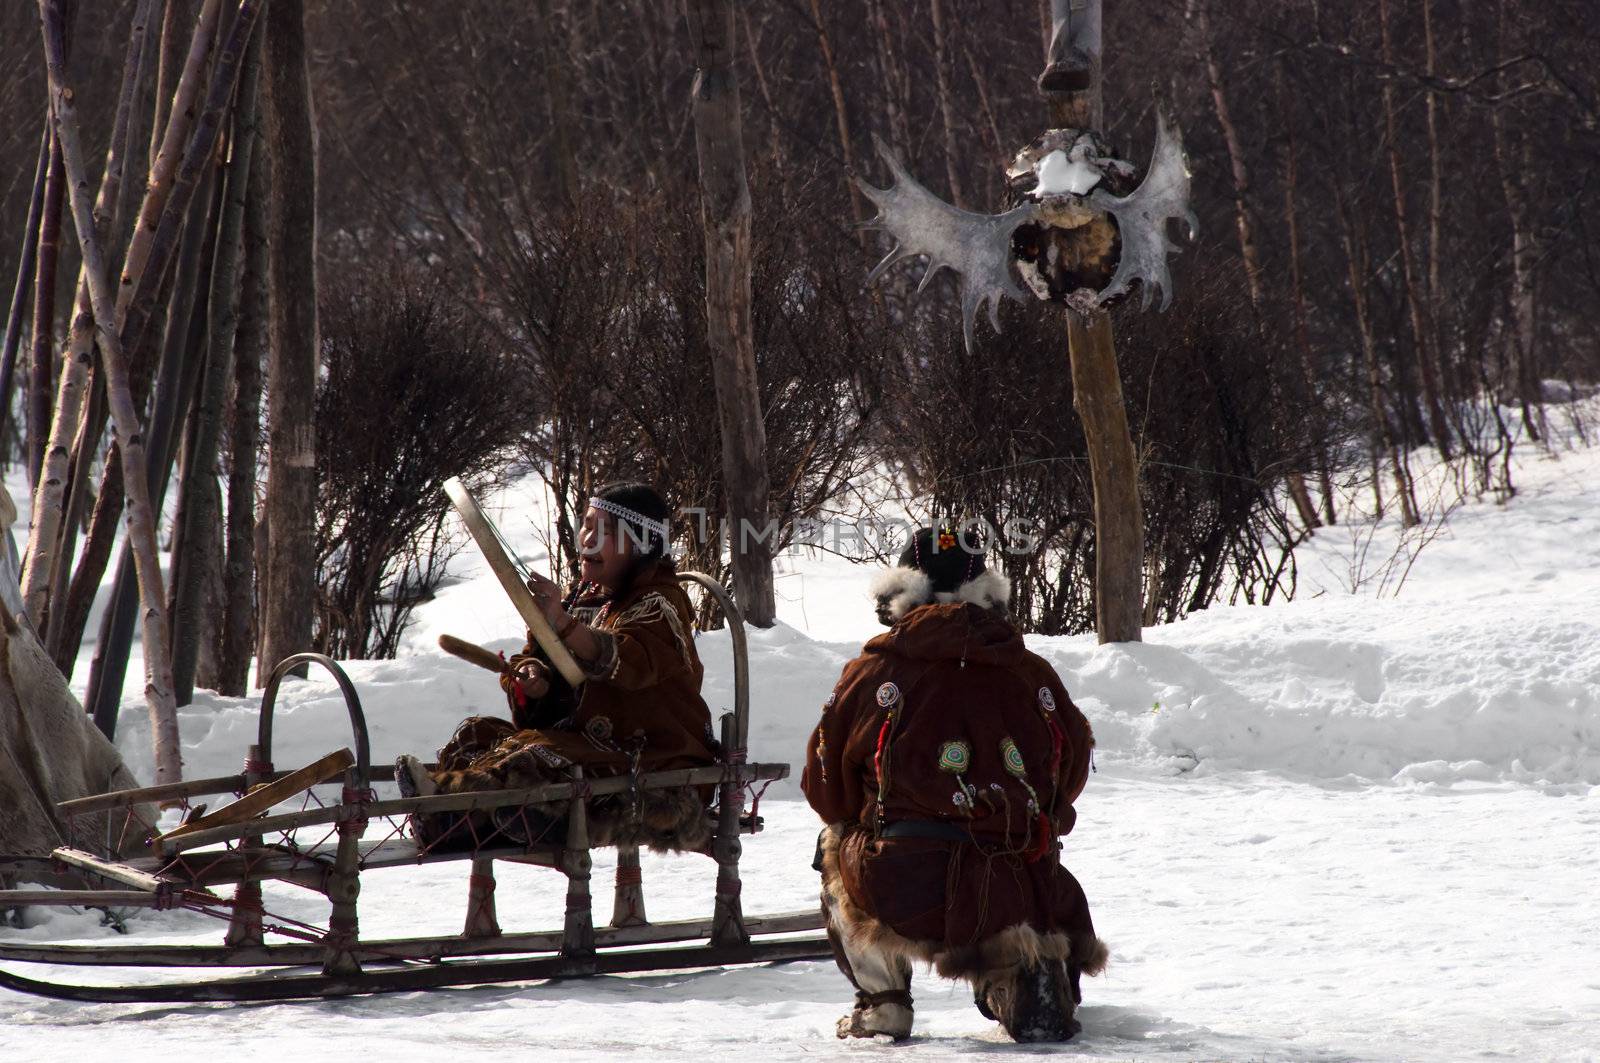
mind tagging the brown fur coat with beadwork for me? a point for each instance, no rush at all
(639, 710)
(948, 719)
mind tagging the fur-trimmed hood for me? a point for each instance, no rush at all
(899, 590)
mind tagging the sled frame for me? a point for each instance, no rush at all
(188, 869)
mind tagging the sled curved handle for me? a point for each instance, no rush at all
(352, 702)
(741, 653)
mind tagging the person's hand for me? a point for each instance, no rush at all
(531, 678)
(548, 596)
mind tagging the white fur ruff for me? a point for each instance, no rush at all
(907, 588)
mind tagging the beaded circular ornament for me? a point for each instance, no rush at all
(1011, 756)
(955, 757)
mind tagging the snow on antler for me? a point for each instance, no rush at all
(976, 246)
(1142, 218)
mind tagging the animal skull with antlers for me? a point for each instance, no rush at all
(1072, 237)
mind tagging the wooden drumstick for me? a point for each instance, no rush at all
(472, 653)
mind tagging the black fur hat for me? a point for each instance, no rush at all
(942, 565)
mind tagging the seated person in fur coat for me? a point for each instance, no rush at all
(945, 765)
(629, 624)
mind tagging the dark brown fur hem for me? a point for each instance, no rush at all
(995, 955)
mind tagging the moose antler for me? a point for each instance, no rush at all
(976, 246)
(1142, 218)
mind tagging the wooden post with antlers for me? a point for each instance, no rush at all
(1071, 85)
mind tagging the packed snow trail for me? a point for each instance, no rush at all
(1249, 918)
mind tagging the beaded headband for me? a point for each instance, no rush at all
(649, 524)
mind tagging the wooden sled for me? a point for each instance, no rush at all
(239, 846)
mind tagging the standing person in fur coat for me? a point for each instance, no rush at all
(629, 625)
(945, 766)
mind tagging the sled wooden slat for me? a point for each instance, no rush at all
(266, 795)
(427, 976)
(224, 784)
(21, 864)
(430, 949)
(309, 866)
(484, 800)
(221, 784)
(77, 898)
(107, 869)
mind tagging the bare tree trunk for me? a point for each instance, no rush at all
(147, 256)
(1522, 377)
(98, 542)
(238, 625)
(1097, 388)
(206, 546)
(1244, 221)
(201, 505)
(1421, 331)
(1435, 195)
(180, 357)
(49, 531)
(555, 87)
(1302, 331)
(166, 204)
(181, 224)
(947, 107)
(889, 77)
(725, 211)
(1355, 256)
(774, 137)
(64, 651)
(841, 117)
(981, 84)
(18, 309)
(289, 142)
(141, 517)
(44, 313)
(167, 67)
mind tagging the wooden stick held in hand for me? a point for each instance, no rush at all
(472, 653)
(488, 541)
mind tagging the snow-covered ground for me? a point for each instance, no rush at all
(1358, 825)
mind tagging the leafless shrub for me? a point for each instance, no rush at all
(993, 436)
(413, 393)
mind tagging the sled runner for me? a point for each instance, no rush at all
(216, 863)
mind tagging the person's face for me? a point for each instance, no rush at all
(605, 553)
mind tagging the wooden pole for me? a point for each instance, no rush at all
(45, 536)
(200, 476)
(141, 518)
(43, 347)
(148, 255)
(237, 644)
(725, 212)
(18, 309)
(1096, 381)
